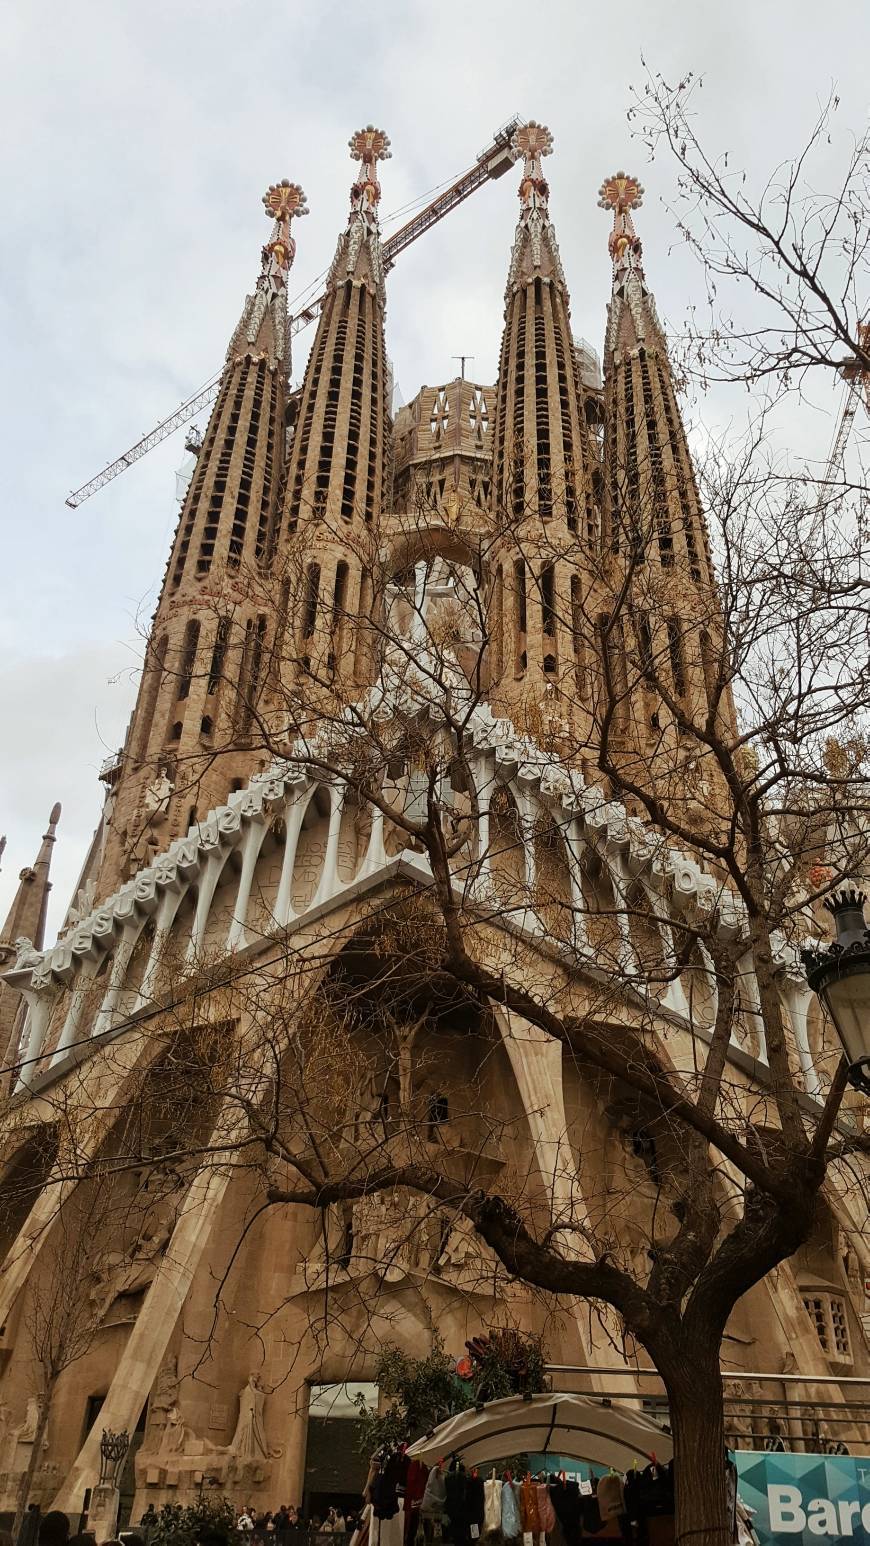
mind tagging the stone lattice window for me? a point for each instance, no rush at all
(828, 1314)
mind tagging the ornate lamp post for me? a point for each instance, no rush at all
(840, 975)
(113, 1451)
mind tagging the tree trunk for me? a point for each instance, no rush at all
(695, 1397)
(26, 1482)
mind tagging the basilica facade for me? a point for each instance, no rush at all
(445, 564)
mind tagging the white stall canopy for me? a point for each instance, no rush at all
(577, 1426)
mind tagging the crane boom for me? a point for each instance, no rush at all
(182, 415)
(492, 162)
(840, 441)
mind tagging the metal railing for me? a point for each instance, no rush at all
(785, 1412)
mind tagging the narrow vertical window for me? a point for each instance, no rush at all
(675, 647)
(312, 590)
(218, 655)
(188, 658)
(520, 615)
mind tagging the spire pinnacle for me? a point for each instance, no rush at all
(362, 235)
(535, 251)
(283, 202)
(533, 141)
(622, 193)
(368, 146)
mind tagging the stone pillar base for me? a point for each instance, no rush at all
(103, 1512)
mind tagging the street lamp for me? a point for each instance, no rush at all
(840, 975)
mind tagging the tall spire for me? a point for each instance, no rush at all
(25, 920)
(206, 655)
(540, 448)
(337, 463)
(359, 247)
(542, 460)
(650, 482)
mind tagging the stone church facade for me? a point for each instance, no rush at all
(217, 841)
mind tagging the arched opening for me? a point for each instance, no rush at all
(601, 923)
(552, 880)
(353, 837)
(311, 849)
(136, 967)
(507, 849)
(646, 940)
(24, 1176)
(223, 906)
(699, 988)
(260, 920)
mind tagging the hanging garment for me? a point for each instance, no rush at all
(492, 1503)
(456, 1482)
(650, 1493)
(435, 1495)
(415, 1486)
(388, 1532)
(546, 1512)
(566, 1502)
(511, 1524)
(529, 1506)
(475, 1502)
(611, 1501)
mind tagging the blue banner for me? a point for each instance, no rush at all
(806, 1498)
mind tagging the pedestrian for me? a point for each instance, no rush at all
(53, 1529)
(148, 1522)
(245, 1523)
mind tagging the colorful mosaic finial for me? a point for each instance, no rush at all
(622, 193)
(368, 146)
(533, 141)
(283, 202)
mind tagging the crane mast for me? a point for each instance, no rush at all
(491, 164)
(857, 383)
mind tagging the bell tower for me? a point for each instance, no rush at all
(544, 504)
(337, 470)
(655, 534)
(191, 737)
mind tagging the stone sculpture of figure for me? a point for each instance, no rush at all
(27, 1432)
(156, 797)
(165, 1393)
(249, 1441)
(127, 1272)
(174, 1434)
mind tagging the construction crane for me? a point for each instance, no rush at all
(492, 163)
(857, 383)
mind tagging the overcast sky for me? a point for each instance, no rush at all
(137, 142)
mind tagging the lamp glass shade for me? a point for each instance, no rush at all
(847, 996)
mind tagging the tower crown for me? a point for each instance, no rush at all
(652, 498)
(535, 250)
(358, 254)
(262, 328)
(623, 193)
